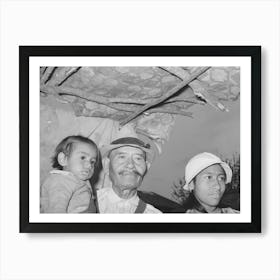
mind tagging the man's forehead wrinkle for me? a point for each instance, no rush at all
(134, 153)
(124, 150)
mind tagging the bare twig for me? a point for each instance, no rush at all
(186, 100)
(62, 90)
(46, 75)
(51, 74)
(169, 111)
(72, 71)
(121, 106)
(42, 71)
(134, 107)
(196, 85)
(173, 73)
(166, 96)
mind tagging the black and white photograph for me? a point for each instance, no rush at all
(148, 135)
(140, 140)
(106, 111)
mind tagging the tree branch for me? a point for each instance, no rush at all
(68, 74)
(48, 72)
(166, 96)
(104, 100)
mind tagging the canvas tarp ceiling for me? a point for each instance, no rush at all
(98, 101)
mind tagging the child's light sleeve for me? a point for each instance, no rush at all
(59, 198)
(56, 196)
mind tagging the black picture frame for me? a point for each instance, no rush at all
(254, 52)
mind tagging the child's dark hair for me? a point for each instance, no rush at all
(66, 147)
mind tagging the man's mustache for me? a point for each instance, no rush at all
(130, 171)
(215, 193)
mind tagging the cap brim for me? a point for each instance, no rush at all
(105, 150)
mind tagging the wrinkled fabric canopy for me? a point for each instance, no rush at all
(97, 101)
(118, 92)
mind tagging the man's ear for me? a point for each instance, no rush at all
(105, 164)
(62, 159)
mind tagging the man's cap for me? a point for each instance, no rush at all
(131, 142)
(202, 161)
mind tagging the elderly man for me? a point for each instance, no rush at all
(129, 160)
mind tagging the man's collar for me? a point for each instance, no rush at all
(115, 198)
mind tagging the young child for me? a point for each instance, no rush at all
(67, 188)
(206, 177)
